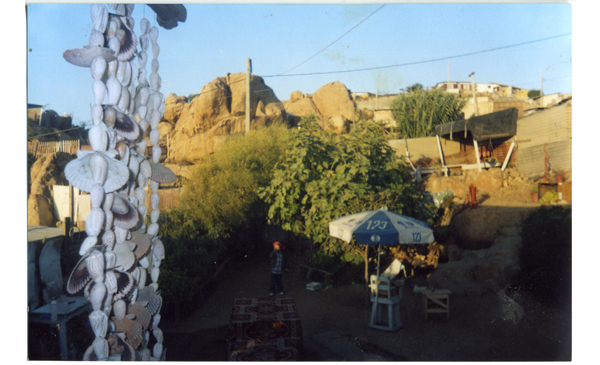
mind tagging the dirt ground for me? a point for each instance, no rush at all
(335, 324)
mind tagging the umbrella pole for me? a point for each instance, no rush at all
(377, 281)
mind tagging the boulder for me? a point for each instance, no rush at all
(456, 276)
(332, 99)
(180, 171)
(296, 95)
(39, 211)
(338, 124)
(500, 267)
(302, 107)
(173, 107)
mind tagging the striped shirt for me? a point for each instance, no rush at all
(278, 268)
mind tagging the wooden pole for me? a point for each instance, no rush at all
(512, 146)
(474, 97)
(248, 76)
(477, 154)
(441, 155)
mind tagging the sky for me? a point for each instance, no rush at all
(303, 47)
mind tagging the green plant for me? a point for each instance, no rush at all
(546, 254)
(533, 93)
(534, 190)
(418, 112)
(549, 197)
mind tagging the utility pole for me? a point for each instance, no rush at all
(248, 76)
(474, 97)
(448, 72)
(542, 85)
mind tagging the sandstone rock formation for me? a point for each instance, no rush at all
(202, 126)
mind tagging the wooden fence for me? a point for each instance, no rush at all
(38, 148)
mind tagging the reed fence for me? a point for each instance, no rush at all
(38, 148)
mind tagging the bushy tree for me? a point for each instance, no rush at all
(323, 176)
(533, 93)
(418, 112)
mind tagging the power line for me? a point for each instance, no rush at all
(424, 61)
(330, 44)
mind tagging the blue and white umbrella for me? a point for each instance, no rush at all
(381, 227)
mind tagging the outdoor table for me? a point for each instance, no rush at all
(67, 308)
(264, 329)
(436, 301)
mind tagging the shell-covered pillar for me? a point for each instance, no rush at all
(120, 255)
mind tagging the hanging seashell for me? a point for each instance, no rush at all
(113, 26)
(120, 309)
(84, 172)
(155, 81)
(158, 335)
(141, 146)
(110, 116)
(144, 42)
(98, 319)
(99, 90)
(112, 68)
(128, 42)
(114, 45)
(96, 195)
(100, 346)
(143, 126)
(153, 34)
(97, 113)
(133, 331)
(155, 321)
(96, 39)
(129, 11)
(121, 71)
(154, 285)
(146, 354)
(142, 211)
(89, 354)
(142, 280)
(125, 284)
(110, 280)
(144, 95)
(125, 214)
(107, 307)
(94, 222)
(155, 51)
(144, 262)
(119, 346)
(113, 86)
(144, 25)
(158, 249)
(142, 111)
(142, 315)
(124, 100)
(162, 174)
(108, 238)
(154, 137)
(142, 78)
(154, 216)
(120, 234)
(109, 198)
(112, 139)
(98, 138)
(97, 295)
(88, 243)
(157, 350)
(111, 259)
(98, 67)
(154, 186)
(157, 101)
(98, 166)
(121, 9)
(154, 64)
(125, 257)
(95, 265)
(142, 243)
(152, 229)
(126, 127)
(154, 200)
(146, 169)
(83, 56)
(127, 76)
(134, 167)
(155, 119)
(99, 17)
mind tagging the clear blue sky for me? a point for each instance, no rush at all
(216, 39)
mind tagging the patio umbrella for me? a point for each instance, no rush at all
(381, 227)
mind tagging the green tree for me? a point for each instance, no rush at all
(323, 176)
(533, 93)
(417, 113)
(415, 87)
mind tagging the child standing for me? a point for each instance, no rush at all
(277, 264)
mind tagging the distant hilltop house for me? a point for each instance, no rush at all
(49, 118)
(455, 87)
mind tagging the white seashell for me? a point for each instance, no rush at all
(142, 111)
(144, 95)
(125, 99)
(134, 294)
(155, 81)
(154, 286)
(154, 64)
(136, 275)
(99, 166)
(154, 200)
(94, 222)
(127, 76)
(152, 229)
(96, 39)
(126, 127)
(142, 280)
(155, 51)
(121, 71)
(97, 296)
(110, 116)
(146, 355)
(114, 44)
(113, 86)
(97, 113)
(154, 137)
(99, 17)
(142, 59)
(95, 265)
(135, 71)
(87, 355)
(158, 249)
(98, 138)
(156, 152)
(153, 34)
(111, 259)
(158, 334)
(154, 185)
(125, 256)
(108, 221)
(110, 280)
(142, 78)
(99, 90)
(144, 262)
(143, 124)
(154, 216)
(121, 9)
(120, 309)
(99, 320)
(134, 167)
(132, 199)
(155, 119)
(142, 210)
(125, 215)
(112, 139)
(88, 243)
(155, 320)
(113, 26)
(141, 146)
(107, 308)
(156, 262)
(83, 172)
(98, 67)
(162, 109)
(108, 238)
(144, 25)
(145, 169)
(121, 234)
(112, 68)
(157, 350)
(129, 10)
(109, 198)
(144, 42)
(100, 346)
(96, 195)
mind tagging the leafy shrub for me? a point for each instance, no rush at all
(546, 254)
